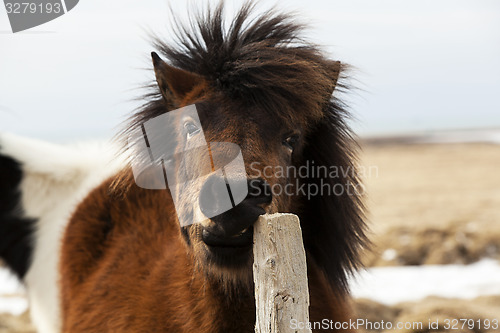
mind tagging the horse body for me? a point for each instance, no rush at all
(101, 254)
(158, 286)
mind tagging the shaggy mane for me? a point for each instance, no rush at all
(259, 60)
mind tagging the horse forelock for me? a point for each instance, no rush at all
(256, 59)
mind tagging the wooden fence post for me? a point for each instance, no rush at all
(280, 275)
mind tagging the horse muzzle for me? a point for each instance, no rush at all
(234, 227)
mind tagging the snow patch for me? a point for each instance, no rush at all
(12, 299)
(392, 285)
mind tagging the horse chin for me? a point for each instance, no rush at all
(232, 258)
(231, 264)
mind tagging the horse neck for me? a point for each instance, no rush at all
(202, 304)
(175, 275)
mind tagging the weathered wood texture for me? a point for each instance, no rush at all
(280, 274)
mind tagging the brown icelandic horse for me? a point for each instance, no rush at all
(128, 265)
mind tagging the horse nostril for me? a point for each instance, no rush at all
(232, 216)
(217, 198)
(259, 191)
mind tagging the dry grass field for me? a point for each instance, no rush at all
(433, 204)
(433, 309)
(15, 324)
(429, 204)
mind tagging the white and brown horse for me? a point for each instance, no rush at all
(100, 254)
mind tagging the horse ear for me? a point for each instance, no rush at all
(334, 69)
(174, 83)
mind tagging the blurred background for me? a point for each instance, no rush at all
(426, 107)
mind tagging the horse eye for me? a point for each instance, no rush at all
(191, 129)
(291, 141)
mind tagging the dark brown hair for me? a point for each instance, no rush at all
(263, 61)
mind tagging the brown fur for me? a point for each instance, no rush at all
(126, 269)
(127, 265)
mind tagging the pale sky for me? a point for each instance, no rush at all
(421, 65)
